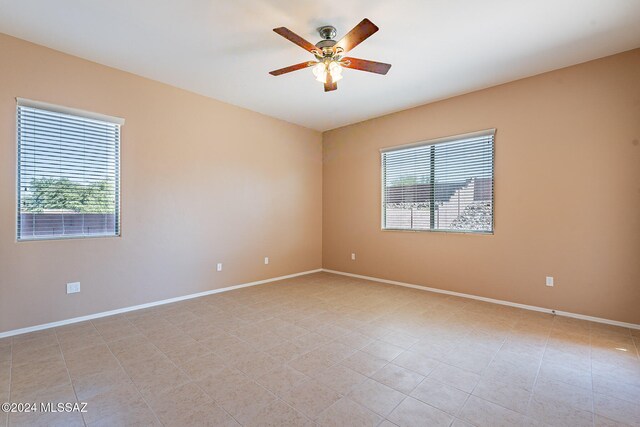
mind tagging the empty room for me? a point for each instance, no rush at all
(297, 213)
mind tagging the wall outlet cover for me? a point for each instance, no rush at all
(73, 287)
(549, 281)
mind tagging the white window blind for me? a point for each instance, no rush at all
(68, 173)
(440, 185)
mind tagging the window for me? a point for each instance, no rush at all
(68, 172)
(439, 185)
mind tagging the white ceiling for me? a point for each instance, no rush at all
(225, 48)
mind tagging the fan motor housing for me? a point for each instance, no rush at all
(325, 43)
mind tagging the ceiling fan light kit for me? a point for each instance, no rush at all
(329, 59)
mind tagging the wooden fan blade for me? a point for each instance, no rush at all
(330, 85)
(291, 68)
(360, 32)
(293, 37)
(365, 65)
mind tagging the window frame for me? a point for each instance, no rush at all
(430, 142)
(23, 102)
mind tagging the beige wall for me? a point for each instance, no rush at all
(567, 193)
(250, 186)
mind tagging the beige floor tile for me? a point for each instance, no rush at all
(383, 350)
(441, 396)
(173, 342)
(113, 403)
(416, 362)
(414, 413)
(245, 401)
(461, 423)
(564, 394)
(377, 397)
(323, 335)
(504, 394)
(398, 378)
(628, 390)
(255, 365)
(565, 374)
(579, 362)
(438, 350)
(220, 384)
(154, 377)
(201, 366)
(90, 360)
(455, 377)
(5, 376)
(311, 340)
(131, 354)
(23, 346)
(265, 340)
(209, 415)
(276, 414)
(90, 386)
(311, 398)
(355, 340)
(281, 380)
(620, 373)
(36, 376)
(340, 378)
(617, 410)
(135, 416)
(312, 363)
(336, 351)
(187, 352)
(600, 421)
(373, 330)
(481, 413)
(525, 345)
(400, 339)
(173, 406)
(58, 394)
(290, 331)
(5, 354)
(71, 342)
(515, 369)
(364, 363)
(115, 329)
(286, 351)
(555, 412)
(32, 335)
(41, 355)
(347, 413)
(332, 331)
(59, 419)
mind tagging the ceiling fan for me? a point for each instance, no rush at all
(329, 54)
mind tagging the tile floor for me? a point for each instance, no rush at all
(327, 350)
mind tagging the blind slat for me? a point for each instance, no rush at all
(446, 185)
(68, 175)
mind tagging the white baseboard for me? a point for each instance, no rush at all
(147, 305)
(491, 300)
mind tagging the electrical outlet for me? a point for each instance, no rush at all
(549, 281)
(219, 267)
(73, 287)
(266, 260)
(353, 256)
